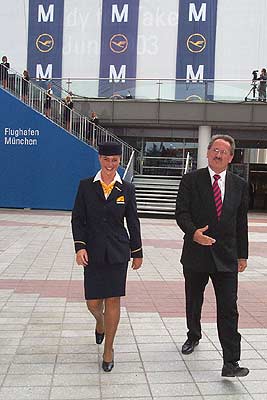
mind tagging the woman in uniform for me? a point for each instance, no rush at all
(103, 246)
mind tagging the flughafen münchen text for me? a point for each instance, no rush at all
(21, 137)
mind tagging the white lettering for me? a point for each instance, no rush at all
(191, 76)
(120, 16)
(193, 12)
(44, 17)
(24, 141)
(114, 77)
(40, 73)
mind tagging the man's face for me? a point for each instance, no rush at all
(109, 164)
(219, 155)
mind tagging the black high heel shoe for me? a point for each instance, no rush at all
(99, 337)
(108, 366)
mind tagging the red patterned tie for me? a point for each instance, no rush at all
(217, 195)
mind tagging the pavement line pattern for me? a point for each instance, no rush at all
(47, 348)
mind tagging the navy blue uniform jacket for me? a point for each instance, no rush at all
(195, 208)
(98, 223)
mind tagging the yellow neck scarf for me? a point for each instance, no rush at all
(107, 189)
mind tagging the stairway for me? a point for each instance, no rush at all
(156, 195)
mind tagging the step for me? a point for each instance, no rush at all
(155, 186)
(155, 183)
(155, 195)
(160, 206)
(159, 176)
(156, 213)
(156, 202)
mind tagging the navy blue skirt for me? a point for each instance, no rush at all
(103, 281)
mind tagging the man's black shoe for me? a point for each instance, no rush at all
(232, 369)
(189, 346)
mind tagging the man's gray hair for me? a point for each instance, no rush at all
(226, 138)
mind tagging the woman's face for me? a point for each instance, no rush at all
(109, 164)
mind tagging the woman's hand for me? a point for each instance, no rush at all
(137, 262)
(82, 257)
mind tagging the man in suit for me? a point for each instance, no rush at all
(211, 209)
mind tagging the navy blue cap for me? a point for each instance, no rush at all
(110, 149)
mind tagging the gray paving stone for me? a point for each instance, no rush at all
(125, 378)
(225, 386)
(169, 377)
(34, 358)
(75, 393)
(73, 379)
(160, 356)
(156, 366)
(230, 397)
(174, 389)
(78, 349)
(191, 397)
(42, 349)
(77, 358)
(153, 339)
(3, 368)
(255, 386)
(119, 391)
(77, 368)
(28, 380)
(31, 369)
(8, 349)
(24, 393)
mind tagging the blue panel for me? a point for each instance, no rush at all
(118, 46)
(45, 38)
(40, 163)
(196, 47)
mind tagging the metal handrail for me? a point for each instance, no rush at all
(158, 88)
(129, 171)
(71, 120)
(186, 163)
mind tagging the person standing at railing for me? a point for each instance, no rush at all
(48, 100)
(4, 67)
(103, 245)
(94, 118)
(25, 86)
(262, 85)
(68, 106)
(90, 139)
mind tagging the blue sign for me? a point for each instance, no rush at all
(41, 164)
(45, 38)
(196, 48)
(118, 47)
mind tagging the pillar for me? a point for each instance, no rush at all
(204, 135)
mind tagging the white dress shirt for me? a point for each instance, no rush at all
(117, 178)
(221, 182)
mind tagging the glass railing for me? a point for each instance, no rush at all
(169, 166)
(34, 94)
(161, 89)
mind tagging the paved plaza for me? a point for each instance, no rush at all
(47, 344)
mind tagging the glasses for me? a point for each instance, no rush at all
(221, 152)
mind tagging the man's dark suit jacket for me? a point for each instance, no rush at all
(195, 208)
(98, 223)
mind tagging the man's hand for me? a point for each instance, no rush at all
(202, 239)
(242, 264)
(82, 257)
(137, 262)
